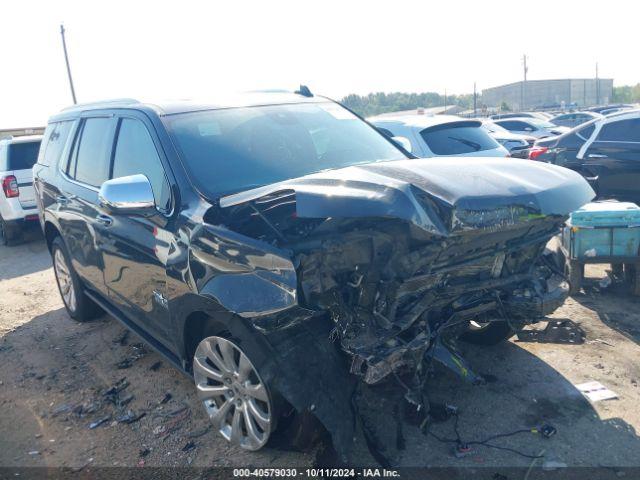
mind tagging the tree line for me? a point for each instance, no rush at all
(377, 103)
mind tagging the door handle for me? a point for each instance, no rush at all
(105, 220)
(597, 155)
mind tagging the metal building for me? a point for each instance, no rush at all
(581, 92)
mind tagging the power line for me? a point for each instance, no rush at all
(66, 59)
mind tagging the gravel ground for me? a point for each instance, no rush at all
(54, 371)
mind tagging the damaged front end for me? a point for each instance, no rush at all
(403, 256)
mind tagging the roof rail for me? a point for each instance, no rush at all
(102, 103)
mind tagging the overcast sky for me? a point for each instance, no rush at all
(186, 49)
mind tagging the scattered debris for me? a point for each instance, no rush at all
(156, 366)
(99, 422)
(34, 452)
(60, 409)
(166, 398)
(144, 452)
(199, 433)
(596, 392)
(116, 387)
(123, 338)
(126, 363)
(556, 331)
(130, 417)
(190, 445)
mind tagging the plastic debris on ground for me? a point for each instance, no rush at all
(99, 422)
(596, 392)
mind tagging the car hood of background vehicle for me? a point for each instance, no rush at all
(432, 193)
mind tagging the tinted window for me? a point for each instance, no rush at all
(90, 157)
(514, 125)
(240, 148)
(386, 132)
(587, 131)
(55, 138)
(621, 131)
(457, 140)
(136, 153)
(23, 155)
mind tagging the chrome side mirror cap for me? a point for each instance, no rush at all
(404, 142)
(132, 195)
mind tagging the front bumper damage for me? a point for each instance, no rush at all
(385, 266)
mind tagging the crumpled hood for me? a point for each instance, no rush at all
(433, 192)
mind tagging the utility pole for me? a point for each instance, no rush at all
(524, 84)
(66, 59)
(597, 86)
(475, 101)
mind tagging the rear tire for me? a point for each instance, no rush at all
(574, 273)
(79, 306)
(488, 334)
(632, 277)
(8, 235)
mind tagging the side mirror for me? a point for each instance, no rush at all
(403, 142)
(127, 195)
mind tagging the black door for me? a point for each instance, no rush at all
(135, 248)
(614, 159)
(77, 198)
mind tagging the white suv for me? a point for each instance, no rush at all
(17, 200)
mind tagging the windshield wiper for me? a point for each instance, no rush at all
(468, 143)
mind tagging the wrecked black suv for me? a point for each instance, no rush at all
(283, 252)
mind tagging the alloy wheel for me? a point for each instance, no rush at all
(65, 282)
(234, 396)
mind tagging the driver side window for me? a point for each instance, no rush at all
(135, 153)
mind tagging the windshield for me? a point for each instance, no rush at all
(452, 139)
(236, 149)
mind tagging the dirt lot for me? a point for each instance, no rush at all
(53, 373)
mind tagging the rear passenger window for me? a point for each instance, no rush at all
(55, 138)
(90, 157)
(136, 154)
(621, 131)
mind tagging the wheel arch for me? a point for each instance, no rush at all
(51, 231)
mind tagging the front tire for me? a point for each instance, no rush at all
(79, 307)
(488, 334)
(236, 398)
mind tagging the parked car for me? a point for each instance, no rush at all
(439, 135)
(517, 145)
(501, 116)
(603, 108)
(574, 119)
(532, 126)
(279, 249)
(606, 151)
(17, 202)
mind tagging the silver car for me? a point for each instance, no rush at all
(17, 199)
(532, 126)
(439, 135)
